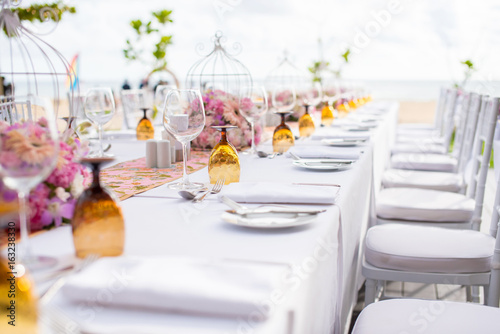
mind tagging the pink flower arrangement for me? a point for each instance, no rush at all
(222, 108)
(51, 203)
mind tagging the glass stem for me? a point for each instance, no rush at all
(24, 246)
(101, 152)
(252, 148)
(185, 179)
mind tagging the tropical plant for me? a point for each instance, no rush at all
(153, 29)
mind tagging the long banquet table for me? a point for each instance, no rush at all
(322, 259)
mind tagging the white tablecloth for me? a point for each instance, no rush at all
(316, 297)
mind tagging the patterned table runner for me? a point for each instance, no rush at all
(129, 178)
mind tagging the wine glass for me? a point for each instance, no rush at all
(311, 96)
(252, 104)
(161, 92)
(283, 100)
(30, 150)
(99, 107)
(184, 119)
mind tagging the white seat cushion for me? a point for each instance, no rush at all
(399, 316)
(424, 205)
(428, 249)
(419, 137)
(393, 178)
(411, 147)
(423, 161)
(416, 126)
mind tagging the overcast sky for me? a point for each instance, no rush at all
(392, 39)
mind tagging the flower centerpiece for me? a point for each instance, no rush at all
(52, 202)
(222, 108)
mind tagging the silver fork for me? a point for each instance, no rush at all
(215, 190)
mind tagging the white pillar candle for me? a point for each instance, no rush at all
(163, 154)
(151, 153)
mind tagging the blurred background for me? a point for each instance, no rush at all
(398, 49)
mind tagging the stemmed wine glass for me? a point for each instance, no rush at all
(99, 107)
(252, 104)
(161, 92)
(184, 119)
(30, 150)
(283, 100)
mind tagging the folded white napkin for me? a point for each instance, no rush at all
(328, 133)
(267, 192)
(324, 152)
(225, 288)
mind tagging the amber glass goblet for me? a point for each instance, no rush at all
(22, 316)
(145, 129)
(283, 137)
(327, 114)
(224, 161)
(98, 224)
(306, 124)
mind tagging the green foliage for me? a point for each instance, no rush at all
(147, 30)
(42, 12)
(317, 69)
(346, 55)
(468, 71)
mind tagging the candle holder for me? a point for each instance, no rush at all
(224, 161)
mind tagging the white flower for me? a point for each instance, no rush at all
(76, 187)
(62, 194)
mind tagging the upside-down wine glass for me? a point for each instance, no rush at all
(283, 100)
(32, 148)
(252, 105)
(99, 107)
(311, 97)
(184, 119)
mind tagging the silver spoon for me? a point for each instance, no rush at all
(263, 154)
(189, 195)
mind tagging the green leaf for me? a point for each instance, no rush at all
(136, 25)
(163, 16)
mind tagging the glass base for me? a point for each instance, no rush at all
(34, 263)
(97, 155)
(186, 186)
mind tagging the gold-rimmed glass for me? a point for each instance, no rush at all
(224, 161)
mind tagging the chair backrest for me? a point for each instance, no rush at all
(494, 288)
(441, 103)
(481, 153)
(12, 111)
(461, 118)
(132, 100)
(469, 133)
(451, 106)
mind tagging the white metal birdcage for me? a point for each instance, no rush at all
(286, 73)
(219, 70)
(33, 69)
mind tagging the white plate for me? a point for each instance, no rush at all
(268, 220)
(321, 165)
(343, 142)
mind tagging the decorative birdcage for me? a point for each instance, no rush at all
(286, 73)
(220, 77)
(34, 70)
(219, 70)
